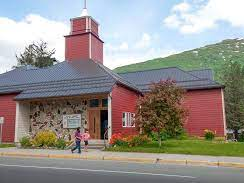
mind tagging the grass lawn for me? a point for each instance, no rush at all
(6, 145)
(194, 147)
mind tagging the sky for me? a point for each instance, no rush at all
(133, 30)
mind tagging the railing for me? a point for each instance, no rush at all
(104, 136)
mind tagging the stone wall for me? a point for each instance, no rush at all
(48, 115)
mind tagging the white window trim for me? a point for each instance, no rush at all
(131, 120)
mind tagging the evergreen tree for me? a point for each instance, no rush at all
(36, 54)
(233, 79)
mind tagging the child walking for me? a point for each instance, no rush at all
(86, 137)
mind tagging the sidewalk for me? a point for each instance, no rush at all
(129, 157)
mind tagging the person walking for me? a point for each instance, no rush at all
(78, 139)
(86, 137)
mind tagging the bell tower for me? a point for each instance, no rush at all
(83, 42)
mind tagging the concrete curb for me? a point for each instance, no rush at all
(125, 159)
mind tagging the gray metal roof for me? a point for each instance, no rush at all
(187, 80)
(203, 74)
(89, 77)
(63, 79)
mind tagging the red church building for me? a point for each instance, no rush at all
(81, 91)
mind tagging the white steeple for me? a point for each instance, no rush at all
(84, 11)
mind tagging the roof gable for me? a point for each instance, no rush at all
(187, 80)
(63, 79)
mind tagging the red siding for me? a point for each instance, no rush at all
(78, 26)
(204, 106)
(94, 27)
(123, 100)
(77, 47)
(205, 112)
(97, 49)
(83, 42)
(8, 111)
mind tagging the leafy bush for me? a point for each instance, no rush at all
(165, 135)
(137, 140)
(45, 139)
(121, 143)
(25, 142)
(182, 135)
(241, 137)
(161, 109)
(117, 139)
(209, 135)
(61, 143)
(131, 140)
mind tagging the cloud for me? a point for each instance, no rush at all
(117, 59)
(181, 7)
(193, 16)
(144, 42)
(129, 53)
(121, 47)
(15, 35)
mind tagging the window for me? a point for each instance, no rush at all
(128, 119)
(104, 102)
(94, 103)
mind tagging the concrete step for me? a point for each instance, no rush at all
(95, 144)
(94, 147)
(98, 142)
(90, 147)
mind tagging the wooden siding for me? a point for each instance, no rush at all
(77, 47)
(205, 112)
(123, 100)
(8, 111)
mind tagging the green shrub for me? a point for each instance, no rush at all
(25, 142)
(137, 140)
(45, 139)
(209, 135)
(61, 143)
(121, 143)
(166, 135)
(131, 140)
(117, 140)
(182, 135)
(241, 137)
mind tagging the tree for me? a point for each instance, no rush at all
(233, 79)
(37, 54)
(161, 109)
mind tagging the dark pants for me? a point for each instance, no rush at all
(77, 146)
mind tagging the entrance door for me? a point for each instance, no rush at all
(94, 124)
(104, 123)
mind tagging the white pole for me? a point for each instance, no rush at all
(1, 130)
(84, 4)
(110, 126)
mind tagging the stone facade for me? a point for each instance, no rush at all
(48, 115)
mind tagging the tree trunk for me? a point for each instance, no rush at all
(159, 140)
(236, 134)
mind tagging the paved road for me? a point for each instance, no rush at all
(26, 170)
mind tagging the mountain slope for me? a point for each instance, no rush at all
(210, 56)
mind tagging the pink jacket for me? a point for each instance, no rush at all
(86, 136)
